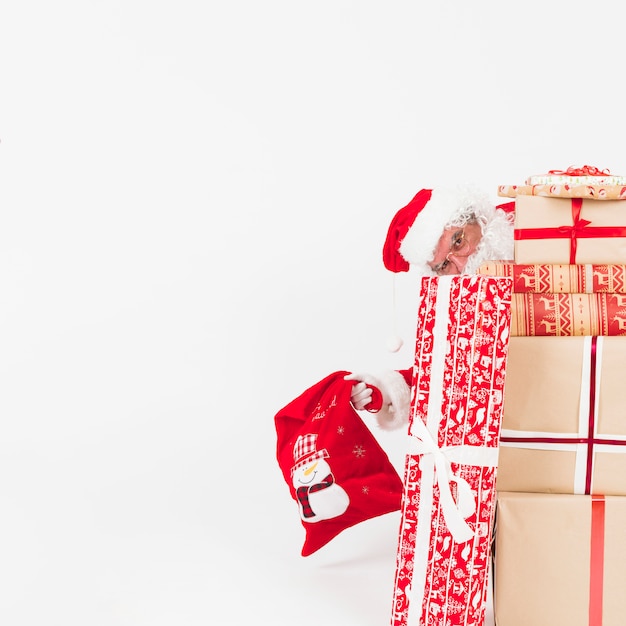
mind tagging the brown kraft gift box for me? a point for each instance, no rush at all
(560, 560)
(572, 231)
(564, 426)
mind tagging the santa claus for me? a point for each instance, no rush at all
(440, 232)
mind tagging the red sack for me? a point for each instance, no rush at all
(336, 471)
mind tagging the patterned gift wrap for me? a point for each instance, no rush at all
(577, 177)
(449, 493)
(575, 182)
(559, 560)
(569, 231)
(552, 190)
(563, 429)
(564, 314)
(542, 278)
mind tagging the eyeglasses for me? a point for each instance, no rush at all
(459, 246)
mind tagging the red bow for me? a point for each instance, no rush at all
(579, 229)
(585, 170)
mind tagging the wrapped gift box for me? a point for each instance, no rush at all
(582, 182)
(559, 559)
(559, 278)
(593, 191)
(582, 176)
(563, 429)
(572, 231)
(560, 314)
(456, 410)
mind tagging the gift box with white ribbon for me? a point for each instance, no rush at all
(454, 429)
(563, 429)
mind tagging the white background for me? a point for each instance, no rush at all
(194, 196)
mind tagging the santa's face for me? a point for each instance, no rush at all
(455, 246)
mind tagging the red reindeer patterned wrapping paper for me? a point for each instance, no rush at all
(546, 278)
(559, 560)
(447, 508)
(563, 429)
(562, 314)
(569, 231)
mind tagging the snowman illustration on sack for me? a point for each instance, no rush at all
(319, 496)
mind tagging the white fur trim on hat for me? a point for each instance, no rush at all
(446, 207)
(396, 401)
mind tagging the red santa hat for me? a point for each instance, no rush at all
(416, 228)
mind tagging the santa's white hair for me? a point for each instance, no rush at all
(496, 242)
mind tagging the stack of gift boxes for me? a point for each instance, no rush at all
(517, 414)
(560, 529)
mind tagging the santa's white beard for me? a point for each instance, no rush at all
(496, 243)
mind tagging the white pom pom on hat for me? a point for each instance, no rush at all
(394, 343)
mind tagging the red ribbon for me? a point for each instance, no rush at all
(585, 170)
(579, 229)
(596, 563)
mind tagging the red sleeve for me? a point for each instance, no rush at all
(408, 375)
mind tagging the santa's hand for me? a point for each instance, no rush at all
(365, 395)
(361, 396)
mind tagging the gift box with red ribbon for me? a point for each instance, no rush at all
(563, 429)
(585, 175)
(565, 314)
(575, 182)
(592, 192)
(449, 485)
(572, 231)
(559, 278)
(559, 559)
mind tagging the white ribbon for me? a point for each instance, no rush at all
(581, 450)
(438, 470)
(455, 513)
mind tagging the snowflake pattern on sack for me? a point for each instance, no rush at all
(456, 575)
